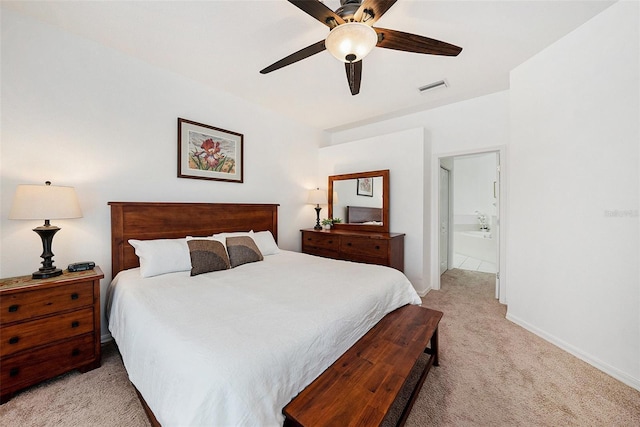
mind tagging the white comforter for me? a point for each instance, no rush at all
(233, 347)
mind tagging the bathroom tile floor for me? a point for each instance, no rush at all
(468, 263)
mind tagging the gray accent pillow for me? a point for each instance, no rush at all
(207, 256)
(242, 250)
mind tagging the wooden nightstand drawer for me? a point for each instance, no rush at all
(16, 306)
(320, 241)
(46, 362)
(43, 331)
(48, 327)
(359, 246)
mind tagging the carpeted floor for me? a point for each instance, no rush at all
(492, 372)
(102, 397)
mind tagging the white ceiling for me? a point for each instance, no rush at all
(224, 44)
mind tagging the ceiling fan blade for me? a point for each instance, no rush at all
(295, 57)
(374, 10)
(319, 11)
(392, 39)
(354, 75)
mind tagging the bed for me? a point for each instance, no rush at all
(233, 347)
(364, 215)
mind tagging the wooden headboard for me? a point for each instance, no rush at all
(360, 214)
(151, 220)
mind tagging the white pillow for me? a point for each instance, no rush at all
(221, 240)
(162, 256)
(265, 242)
(223, 236)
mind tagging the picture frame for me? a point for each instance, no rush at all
(208, 152)
(365, 187)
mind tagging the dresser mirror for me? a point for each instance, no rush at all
(361, 200)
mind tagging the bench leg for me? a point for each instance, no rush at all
(434, 347)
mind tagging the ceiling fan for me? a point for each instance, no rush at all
(352, 36)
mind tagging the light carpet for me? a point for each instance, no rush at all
(492, 373)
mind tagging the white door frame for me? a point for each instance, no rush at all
(435, 210)
(447, 219)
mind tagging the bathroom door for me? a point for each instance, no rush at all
(444, 219)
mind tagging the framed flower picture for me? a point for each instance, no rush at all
(207, 152)
(365, 187)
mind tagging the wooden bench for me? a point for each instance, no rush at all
(360, 388)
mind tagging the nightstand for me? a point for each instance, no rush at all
(48, 327)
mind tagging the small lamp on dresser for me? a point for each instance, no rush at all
(317, 197)
(45, 202)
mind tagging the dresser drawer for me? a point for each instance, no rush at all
(39, 302)
(359, 246)
(46, 362)
(43, 331)
(354, 247)
(320, 241)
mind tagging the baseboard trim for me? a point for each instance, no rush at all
(593, 361)
(425, 292)
(106, 338)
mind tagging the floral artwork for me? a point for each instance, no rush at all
(212, 154)
(365, 187)
(207, 152)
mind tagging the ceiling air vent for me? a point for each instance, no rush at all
(432, 86)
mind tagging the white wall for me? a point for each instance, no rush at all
(79, 114)
(573, 245)
(403, 154)
(473, 189)
(477, 125)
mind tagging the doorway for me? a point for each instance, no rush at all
(469, 211)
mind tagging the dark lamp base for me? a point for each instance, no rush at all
(45, 274)
(46, 233)
(317, 226)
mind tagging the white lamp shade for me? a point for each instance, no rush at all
(351, 42)
(45, 202)
(317, 197)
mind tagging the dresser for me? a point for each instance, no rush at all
(360, 246)
(48, 327)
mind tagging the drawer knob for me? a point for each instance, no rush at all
(75, 352)
(74, 295)
(377, 247)
(14, 372)
(13, 308)
(75, 324)
(14, 340)
(330, 241)
(349, 244)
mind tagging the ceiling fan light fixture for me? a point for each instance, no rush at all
(351, 42)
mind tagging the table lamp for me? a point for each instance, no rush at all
(317, 197)
(45, 202)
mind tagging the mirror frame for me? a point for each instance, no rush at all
(384, 228)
